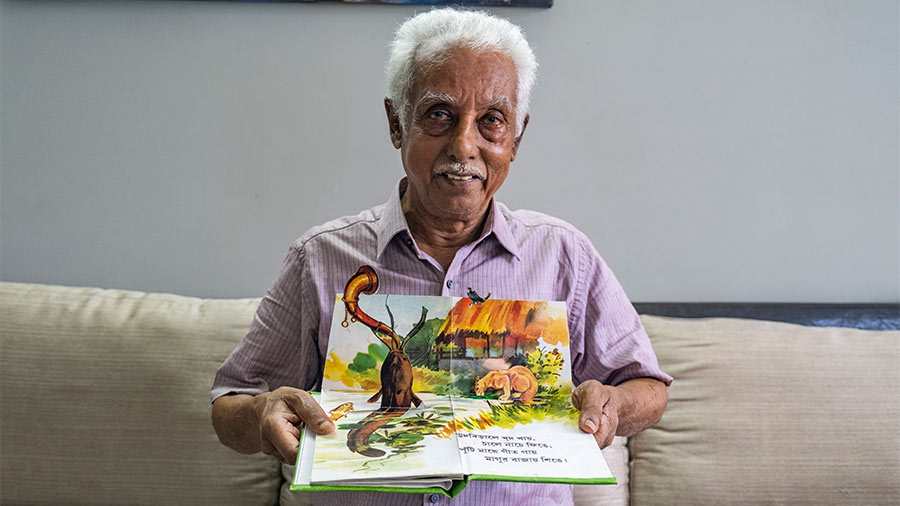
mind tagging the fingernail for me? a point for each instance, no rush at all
(591, 425)
(323, 425)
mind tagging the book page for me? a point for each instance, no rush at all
(387, 400)
(517, 419)
(375, 444)
(559, 452)
(334, 471)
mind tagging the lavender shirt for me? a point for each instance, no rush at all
(520, 255)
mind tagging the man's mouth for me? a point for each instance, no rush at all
(461, 172)
(455, 177)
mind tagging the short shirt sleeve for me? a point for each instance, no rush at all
(280, 348)
(615, 346)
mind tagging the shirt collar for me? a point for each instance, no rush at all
(499, 226)
(393, 222)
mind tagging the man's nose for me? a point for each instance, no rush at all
(463, 143)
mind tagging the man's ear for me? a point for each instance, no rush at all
(518, 139)
(393, 123)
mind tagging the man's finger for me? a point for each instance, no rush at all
(310, 412)
(268, 449)
(282, 438)
(281, 458)
(589, 421)
(590, 398)
(607, 429)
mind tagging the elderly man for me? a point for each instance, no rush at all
(457, 109)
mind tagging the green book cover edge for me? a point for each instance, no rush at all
(531, 479)
(456, 488)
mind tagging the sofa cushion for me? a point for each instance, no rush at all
(106, 399)
(771, 413)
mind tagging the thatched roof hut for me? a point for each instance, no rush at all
(507, 326)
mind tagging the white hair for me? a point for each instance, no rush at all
(426, 38)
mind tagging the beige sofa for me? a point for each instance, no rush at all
(104, 400)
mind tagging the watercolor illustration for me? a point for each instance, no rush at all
(408, 374)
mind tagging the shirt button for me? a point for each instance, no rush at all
(433, 498)
(449, 285)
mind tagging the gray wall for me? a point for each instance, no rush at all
(728, 150)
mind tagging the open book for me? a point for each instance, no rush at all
(428, 393)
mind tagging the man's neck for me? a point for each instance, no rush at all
(441, 239)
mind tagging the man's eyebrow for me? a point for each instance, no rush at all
(500, 101)
(434, 96)
(437, 97)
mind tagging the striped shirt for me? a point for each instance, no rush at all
(521, 255)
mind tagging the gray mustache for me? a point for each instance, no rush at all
(461, 170)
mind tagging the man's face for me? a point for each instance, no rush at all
(459, 137)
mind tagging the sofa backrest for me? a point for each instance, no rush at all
(105, 399)
(866, 316)
(771, 413)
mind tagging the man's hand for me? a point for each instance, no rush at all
(623, 410)
(280, 413)
(268, 422)
(599, 406)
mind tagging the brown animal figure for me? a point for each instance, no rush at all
(396, 390)
(518, 383)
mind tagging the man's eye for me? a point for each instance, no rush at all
(438, 115)
(493, 123)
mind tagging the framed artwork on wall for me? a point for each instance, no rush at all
(464, 3)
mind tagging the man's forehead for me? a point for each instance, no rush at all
(489, 74)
